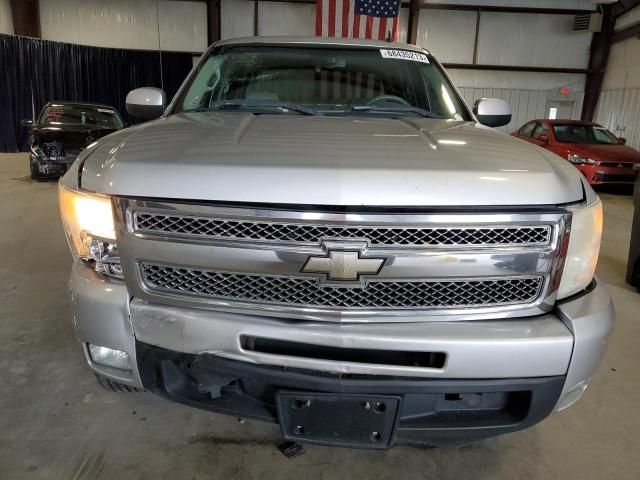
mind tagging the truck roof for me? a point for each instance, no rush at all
(57, 103)
(319, 42)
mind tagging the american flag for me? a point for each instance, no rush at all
(358, 18)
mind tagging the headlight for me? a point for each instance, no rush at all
(584, 247)
(88, 223)
(578, 160)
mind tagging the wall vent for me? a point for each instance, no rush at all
(587, 22)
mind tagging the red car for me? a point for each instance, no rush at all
(599, 154)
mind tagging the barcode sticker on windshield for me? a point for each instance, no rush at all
(404, 55)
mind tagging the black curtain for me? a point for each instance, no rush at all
(62, 71)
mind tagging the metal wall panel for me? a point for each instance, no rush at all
(6, 21)
(276, 18)
(448, 34)
(577, 4)
(619, 111)
(183, 26)
(236, 19)
(126, 24)
(623, 68)
(531, 40)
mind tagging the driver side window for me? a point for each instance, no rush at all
(527, 130)
(540, 130)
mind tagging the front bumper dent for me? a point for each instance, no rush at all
(567, 344)
(440, 412)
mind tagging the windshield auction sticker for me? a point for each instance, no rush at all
(404, 55)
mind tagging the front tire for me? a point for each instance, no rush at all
(34, 171)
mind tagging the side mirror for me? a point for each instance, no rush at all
(542, 138)
(146, 103)
(26, 122)
(492, 112)
(622, 141)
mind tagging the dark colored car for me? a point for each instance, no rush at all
(599, 154)
(63, 130)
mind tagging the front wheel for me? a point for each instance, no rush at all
(34, 171)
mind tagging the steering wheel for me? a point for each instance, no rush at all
(387, 99)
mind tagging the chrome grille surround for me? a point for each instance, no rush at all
(309, 233)
(306, 292)
(414, 266)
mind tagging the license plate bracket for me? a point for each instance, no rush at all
(349, 420)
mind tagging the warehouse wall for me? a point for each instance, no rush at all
(619, 103)
(277, 18)
(450, 35)
(533, 41)
(528, 94)
(6, 22)
(175, 25)
(576, 4)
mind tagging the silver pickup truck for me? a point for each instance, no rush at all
(321, 233)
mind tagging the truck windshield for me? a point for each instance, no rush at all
(584, 134)
(81, 115)
(327, 81)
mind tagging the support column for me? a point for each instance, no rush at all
(26, 18)
(412, 27)
(598, 58)
(213, 21)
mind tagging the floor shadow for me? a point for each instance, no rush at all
(615, 189)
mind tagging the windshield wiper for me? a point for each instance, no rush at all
(417, 110)
(238, 105)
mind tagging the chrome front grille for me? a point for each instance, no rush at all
(614, 164)
(316, 265)
(305, 292)
(309, 233)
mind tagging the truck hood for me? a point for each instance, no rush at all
(324, 160)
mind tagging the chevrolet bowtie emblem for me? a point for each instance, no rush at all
(343, 265)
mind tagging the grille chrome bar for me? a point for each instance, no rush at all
(306, 292)
(309, 233)
(262, 273)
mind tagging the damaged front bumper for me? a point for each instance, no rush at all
(455, 381)
(47, 166)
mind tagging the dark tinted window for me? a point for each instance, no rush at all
(81, 115)
(527, 130)
(540, 130)
(584, 134)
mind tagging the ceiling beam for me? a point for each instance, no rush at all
(26, 17)
(426, 4)
(623, 6)
(512, 68)
(632, 31)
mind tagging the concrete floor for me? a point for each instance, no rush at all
(57, 423)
